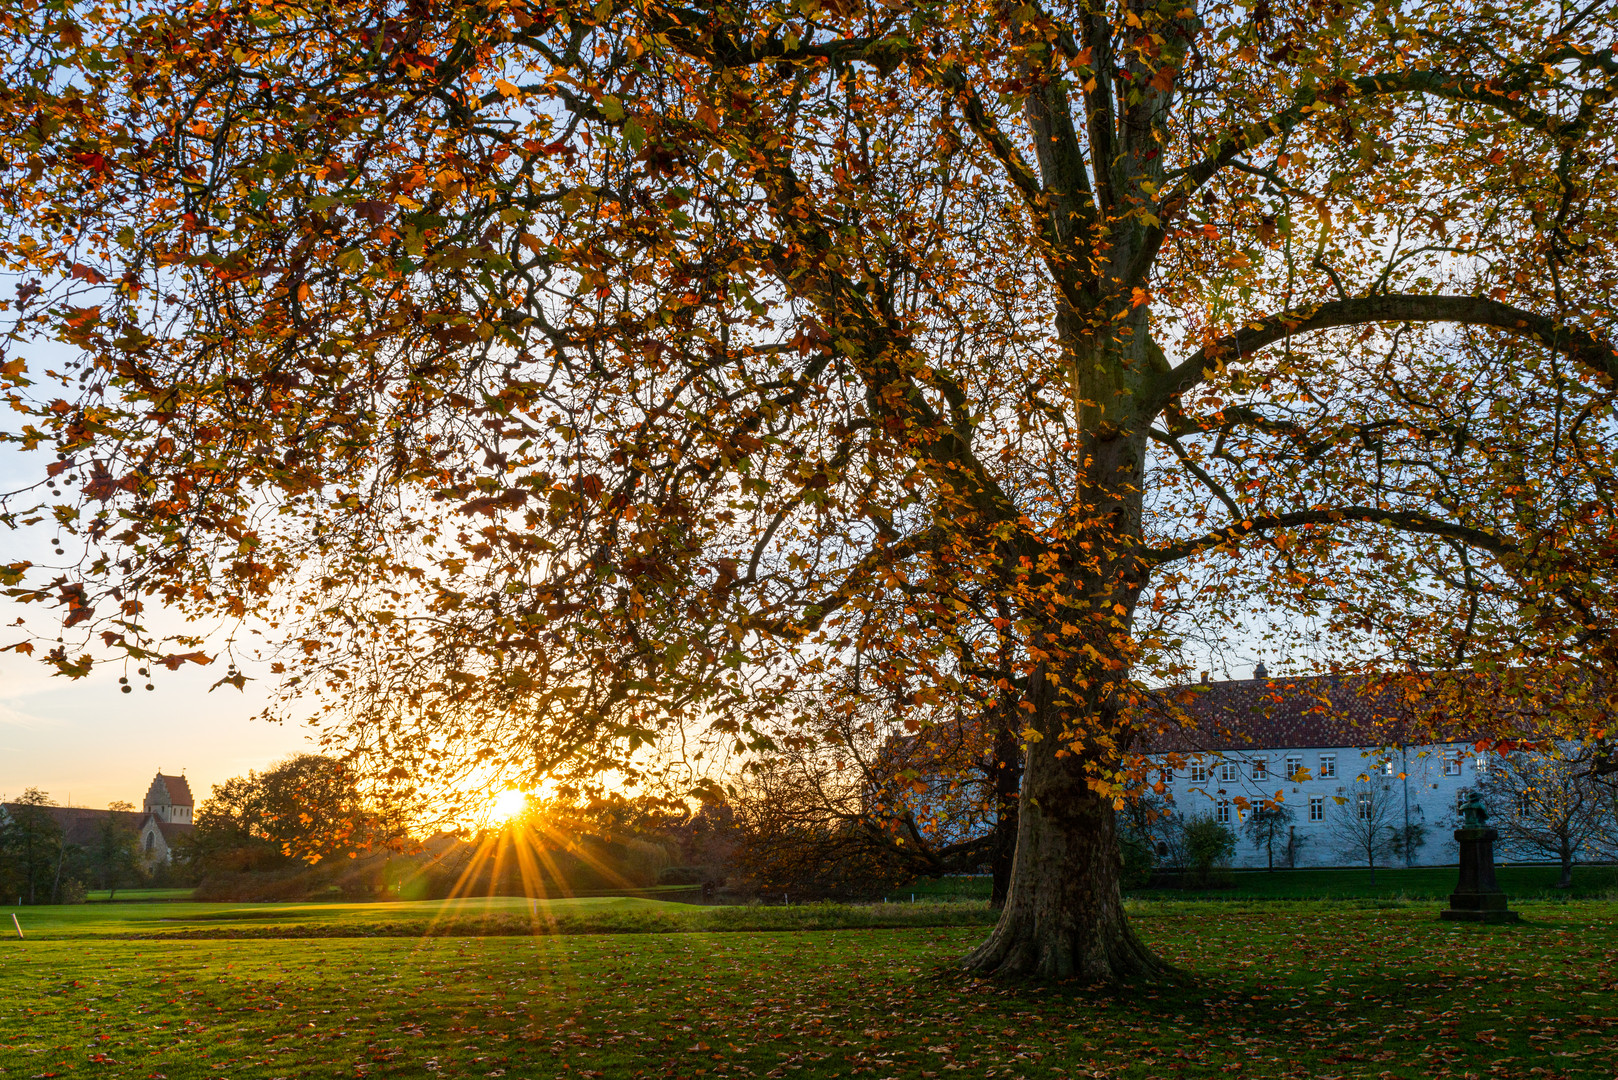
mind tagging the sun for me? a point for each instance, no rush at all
(508, 804)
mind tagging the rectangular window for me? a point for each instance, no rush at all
(1227, 771)
(1261, 768)
(1199, 773)
(1452, 764)
(1317, 808)
(1328, 766)
(1222, 812)
(1294, 766)
(1525, 803)
(1387, 767)
(1166, 776)
(1481, 764)
(1365, 806)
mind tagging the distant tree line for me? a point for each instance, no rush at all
(306, 827)
(40, 864)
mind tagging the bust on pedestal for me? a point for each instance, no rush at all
(1477, 898)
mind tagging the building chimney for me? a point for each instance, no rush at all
(1204, 677)
(1260, 671)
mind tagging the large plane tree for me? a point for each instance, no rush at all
(565, 385)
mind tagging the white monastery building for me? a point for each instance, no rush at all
(1326, 751)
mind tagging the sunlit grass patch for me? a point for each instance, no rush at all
(476, 916)
(1345, 990)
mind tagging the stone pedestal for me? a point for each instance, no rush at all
(1477, 898)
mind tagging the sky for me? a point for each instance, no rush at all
(83, 741)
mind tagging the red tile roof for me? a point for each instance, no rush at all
(170, 790)
(81, 824)
(1282, 712)
(172, 829)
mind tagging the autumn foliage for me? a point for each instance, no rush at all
(554, 385)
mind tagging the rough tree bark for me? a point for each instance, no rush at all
(1063, 915)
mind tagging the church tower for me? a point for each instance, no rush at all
(169, 799)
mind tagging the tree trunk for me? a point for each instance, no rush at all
(1007, 787)
(1566, 880)
(56, 882)
(1064, 914)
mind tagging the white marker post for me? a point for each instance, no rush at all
(17, 924)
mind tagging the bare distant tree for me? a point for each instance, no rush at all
(1549, 805)
(1268, 827)
(1364, 822)
(863, 800)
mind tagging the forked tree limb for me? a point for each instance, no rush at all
(1448, 85)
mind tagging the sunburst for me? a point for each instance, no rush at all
(508, 804)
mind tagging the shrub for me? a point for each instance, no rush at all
(1209, 846)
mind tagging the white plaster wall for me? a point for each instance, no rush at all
(1432, 794)
(173, 814)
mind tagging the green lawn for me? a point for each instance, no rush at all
(1425, 883)
(124, 896)
(471, 917)
(1346, 989)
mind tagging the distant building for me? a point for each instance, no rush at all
(1313, 741)
(168, 810)
(1313, 744)
(163, 819)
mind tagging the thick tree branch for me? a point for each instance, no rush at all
(1402, 520)
(880, 355)
(1022, 177)
(1442, 84)
(1594, 353)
